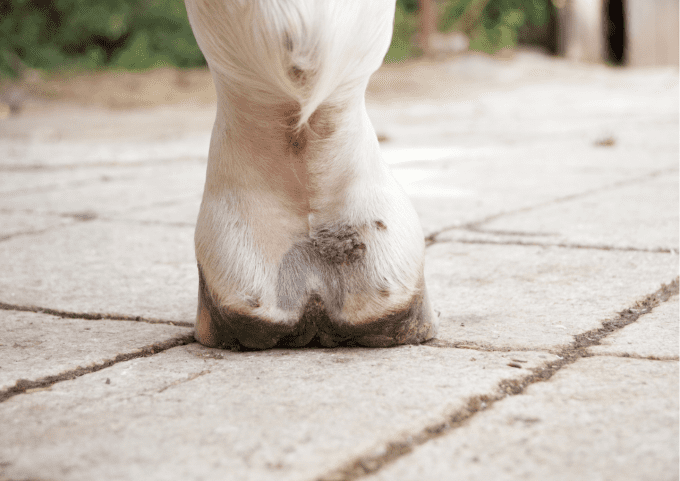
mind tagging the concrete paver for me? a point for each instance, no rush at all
(36, 345)
(642, 215)
(198, 413)
(653, 335)
(111, 267)
(598, 419)
(95, 136)
(131, 189)
(504, 160)
(15, 223)
(184, 211)
(450, 191)
(527, 297)
(20, 181)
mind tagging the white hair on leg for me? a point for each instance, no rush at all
(302, 231)
(307, 51)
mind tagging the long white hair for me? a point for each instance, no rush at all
(307, 51)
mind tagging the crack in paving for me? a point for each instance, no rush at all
(190, 377)
(625, 355)
(25, 233)
(46, 188)
(564, 245)
(510, 233)
(470, 345)
(98, 164)
(90, 316)
(432, 238)
(393, 450)
(85, 216)
(149, 222)
(26, 386)
(168, 202)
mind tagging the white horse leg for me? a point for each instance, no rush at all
(303, 232)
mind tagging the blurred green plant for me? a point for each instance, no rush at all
(490, 25)
(91, 34)
(405, 26)
(141, 34)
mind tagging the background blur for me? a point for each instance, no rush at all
(77, 35)
(141, 53)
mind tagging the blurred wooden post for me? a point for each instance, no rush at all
(428, 25)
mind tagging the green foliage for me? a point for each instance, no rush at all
(141, 34)
(490, 24)
(405, 25)
(91, 34)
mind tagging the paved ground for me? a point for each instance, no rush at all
(549, 197)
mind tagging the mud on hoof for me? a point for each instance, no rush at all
(339, 244)
(228, 329)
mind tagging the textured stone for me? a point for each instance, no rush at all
(16, 183)
(652, 335)
(14, 224)
(525, 297)
(35, 345)
(600, 419)
(180, 212)
(641, 215)
(104, 267)
(116, 192)
(508, 145)
(471, 187)
(487, 140)
(198, 413)
(94, 136)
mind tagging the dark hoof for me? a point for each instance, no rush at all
(222, 327)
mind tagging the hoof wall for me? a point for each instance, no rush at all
(227, 329)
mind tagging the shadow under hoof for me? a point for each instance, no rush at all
(224, 328)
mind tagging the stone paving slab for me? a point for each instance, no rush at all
(127, 186)
(21, 181)
(638, 108)
(519, 297)
(36, 345)
(13, 224)
(131, 188)
(599, 419)
(457, 191)
(104, 267)
(642, 215)
(66, 153)
(179, 212)
(527, 297)
(198, 413)
(95, 136)
(653, 335)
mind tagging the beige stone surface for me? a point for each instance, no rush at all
(15, 182)
(504, 145)
(18, 224)
(527, 297)
(117, 192)
(451, 187)
(599, 419)
(99, 136)
(198, 413)
(35, 345)
(642, 215)
(100, 206)
(104, 267)
(178, 212)
(652, 335)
